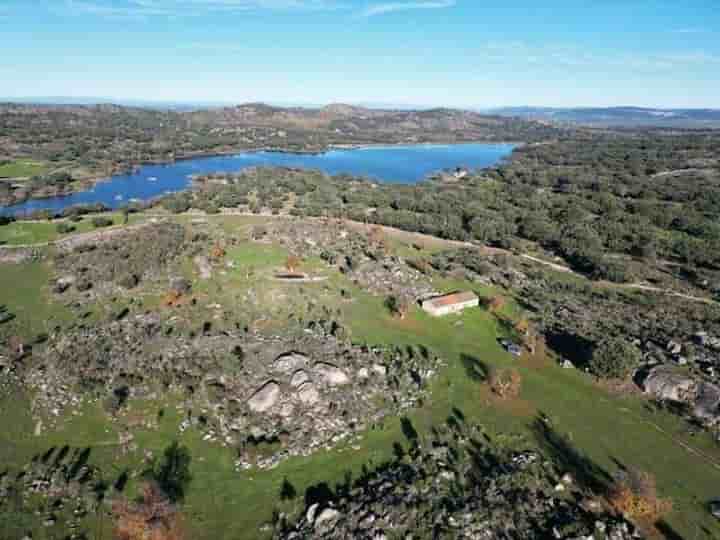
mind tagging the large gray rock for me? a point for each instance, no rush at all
(203, 266)
(707, 403)
(665, 384)
(308, 394)
(290, 362)
(299, 377)
(715, 508)
(332, 375)
(326, 518)
(264, 398)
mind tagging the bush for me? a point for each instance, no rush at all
(64, 228)
(172, 472)
(614, 358)
(634, 495)
(151, 517)
(176, 204)
(398, 306)
(100, 221)
(505, 382)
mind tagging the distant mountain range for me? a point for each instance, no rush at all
(618, 116)
(589, 116)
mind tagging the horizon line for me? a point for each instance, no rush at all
(102, 100)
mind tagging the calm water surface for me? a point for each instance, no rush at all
(399, 164)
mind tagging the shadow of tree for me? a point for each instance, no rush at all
(483, 462)
(585, 472)
(122, 481)
(319, 494)
(568, 345)
(408, 429)
(475, 369)
(79, 462)
(287, 490)
(667, 531)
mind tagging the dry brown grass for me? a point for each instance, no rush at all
(153, 518)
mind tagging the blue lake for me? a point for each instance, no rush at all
(399, 164)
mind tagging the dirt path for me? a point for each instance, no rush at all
(631, 286)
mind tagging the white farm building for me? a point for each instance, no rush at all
(450, 303)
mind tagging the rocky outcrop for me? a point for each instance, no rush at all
(707, 403)
(703, 398)
(666, 384)
(265, 398)
(332, 375)
(305, 392)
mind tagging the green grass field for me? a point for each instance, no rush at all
(222, 503)
(25, 291)
(22, 169)
(38, 232)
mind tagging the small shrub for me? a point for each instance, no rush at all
(64, 228)
(398, 306)
(153, 517)
(177, 204)
(496, 303)
(292, 263)
(505, 382)
(101, 221)
(172, 471)
(614, 358)
(217, 252)
(634, 494)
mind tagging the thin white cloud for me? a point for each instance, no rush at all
(391, 7)
(189, 8)
(688, 31)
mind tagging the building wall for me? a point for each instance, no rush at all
(452, 308)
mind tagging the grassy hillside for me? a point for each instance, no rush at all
(609, 431)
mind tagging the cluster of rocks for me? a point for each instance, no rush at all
(701, 398)
(392, 275)
(456, 487)
(118, 258)
(361, 257)
(242, 390)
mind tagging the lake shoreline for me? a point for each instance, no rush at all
(83, 185)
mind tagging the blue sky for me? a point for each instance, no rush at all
(464, 53)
